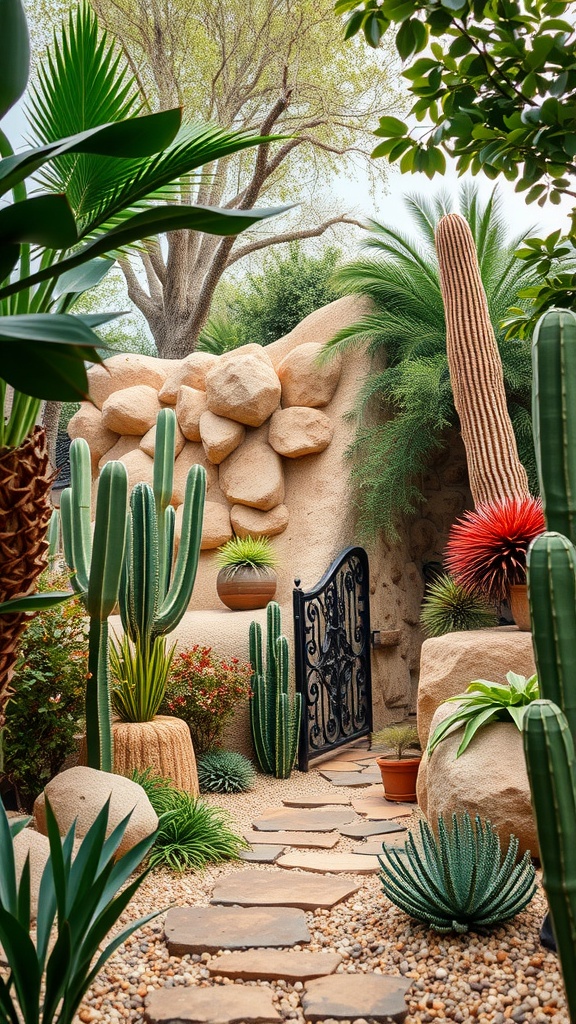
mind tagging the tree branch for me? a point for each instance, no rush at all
(139, 297)
(291, 236)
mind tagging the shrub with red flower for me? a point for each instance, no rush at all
(205, 690)
(487, 547)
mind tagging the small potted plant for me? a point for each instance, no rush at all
(399, 767)
(247, 577)
(487, 551)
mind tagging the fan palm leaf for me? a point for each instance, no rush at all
(404, 410)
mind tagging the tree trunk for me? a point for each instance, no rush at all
(50, 421)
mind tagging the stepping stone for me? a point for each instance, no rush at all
(277, 889)
(261, 854)
(220, 1004)
(271, 965)
(371, 828)
(376, 790)
(379, 997)
(331, 863)
(378, 809)
(374, 846)
(210, 929)
(346, 778)
(372, 775)
(322, 819)
(309, 840)
(321, 800)
(339, 766)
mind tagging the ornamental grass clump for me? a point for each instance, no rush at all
(255, 552)
(485, 702)
(458, 880)
(225, 771)
(450, 607)
(205, 690)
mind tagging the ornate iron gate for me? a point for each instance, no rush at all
(332, 656)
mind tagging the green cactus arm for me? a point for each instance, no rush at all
(80, 586)
(282, 766)
(282, 663)
(99, 740)
(260, 725)
(178, 597)
(295, 726)
(273, 627)
(551, 767)
(141, 565)
(53, 536)
(81, 534)
(552, 589)
(109, 541)
(554, 417)
(168, 551)
(255, 648)
(128, 623)
(163, 484)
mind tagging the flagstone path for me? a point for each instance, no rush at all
(256, 922)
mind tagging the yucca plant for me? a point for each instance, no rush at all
(225, 771)
(79, 902)
(458, 880)
(487, 546)
(254, 552)
(139, 676)
(484, 702)
(449, 607)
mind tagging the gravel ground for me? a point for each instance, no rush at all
(501, 976)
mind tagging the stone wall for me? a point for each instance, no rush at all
(270, 427)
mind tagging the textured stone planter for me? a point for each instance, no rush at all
(520, 606)
(399, 778)
(246, 588)
(164, 744)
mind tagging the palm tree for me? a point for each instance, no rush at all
(405, 406)
(106, 175)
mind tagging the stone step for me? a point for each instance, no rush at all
(260, 853)
(321, 819)
(255, 888)
(377, 997)
(330, 863)
(318, 840)
(340, 765)
(318, 800)
(373, 847)
(363, 829)
(352, 779)
(271, 965)
(210, 929)
(376, 808)
(222, 1004)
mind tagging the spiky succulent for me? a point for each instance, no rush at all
(225, 771)
(458, 880)
(449, 607)
(256, 552)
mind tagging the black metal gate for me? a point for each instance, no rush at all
(332, 656)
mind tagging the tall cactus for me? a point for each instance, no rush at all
(274, 716)
(96, 564)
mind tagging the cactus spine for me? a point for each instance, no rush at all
(96, 564)
(274, 715)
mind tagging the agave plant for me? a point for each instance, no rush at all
(449, 606)
(256, 552)
(485, 702)
(225, 771)
(457, 880)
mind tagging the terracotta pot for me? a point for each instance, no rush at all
(246, 588)
(520, 606)
(164, 745)
(399, 778)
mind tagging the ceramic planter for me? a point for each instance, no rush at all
(399, 778)
(246, 588)
(520, 607)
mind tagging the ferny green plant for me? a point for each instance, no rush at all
(225, 771)
(83, 894)
(484, 702)
(275, 715)
(457, 880)
(449, 607)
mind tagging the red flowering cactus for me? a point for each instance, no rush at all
(205, 690)
(487, 547)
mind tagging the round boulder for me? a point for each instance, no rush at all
(220, 436)
(299, 431)
(252, 522)
(190, 372)
(125, 370)
(305, 381)
(148, 442)
(132, 410)
(216, 528)
(244, 388)
(87, 423)
(190, 405)
(29, 843)
(253, 474)
(80, 793)
(488, 779)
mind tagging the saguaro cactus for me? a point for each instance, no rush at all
(274, 716)
(96, 563)
(494, 468)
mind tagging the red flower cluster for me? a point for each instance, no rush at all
(487, 548)
(205, 690)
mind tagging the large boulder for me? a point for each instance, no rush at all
(220, 436)
(148, 442)
(87, 423)
(216, 528)
(190, 404)
(124, 445)
(132, 410)
(32, 844)
(449, 663)
(80, 793)
(244, 388)
(306, 382)
(190, 372)
(125, 370)
(139, 466)
(192, 454)
(253, 475)
(299, 430)
(252, 522)
(488, 779)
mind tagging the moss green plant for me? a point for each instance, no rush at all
(449, 607)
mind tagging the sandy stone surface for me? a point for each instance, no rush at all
(244, 388)
(221, 1006)
(209, 929)
(299, 431)
(253, 474)
(190, 405)
(220, 436)
(269, 964)
(131, 410)
(377, 997)
(280, 890)
(87, 423)
(333, 863)
(256, 523)
(304, 381)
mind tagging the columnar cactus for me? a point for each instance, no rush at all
(494, 468)
(274, 716)
(550, 725)
(96, 565)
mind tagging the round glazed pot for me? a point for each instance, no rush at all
(520, 607)
(399, 778)
(247, 588)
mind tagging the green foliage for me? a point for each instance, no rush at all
(405, 406)
(498, 88)
(398, 738)
(457, 880)
(256, 552)
(484, 702)
(191, 833)
(205, 691)
(82, 898)
(275, 716)
(448, 607)
(225, 771)
(139, 678)
(47, 704)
